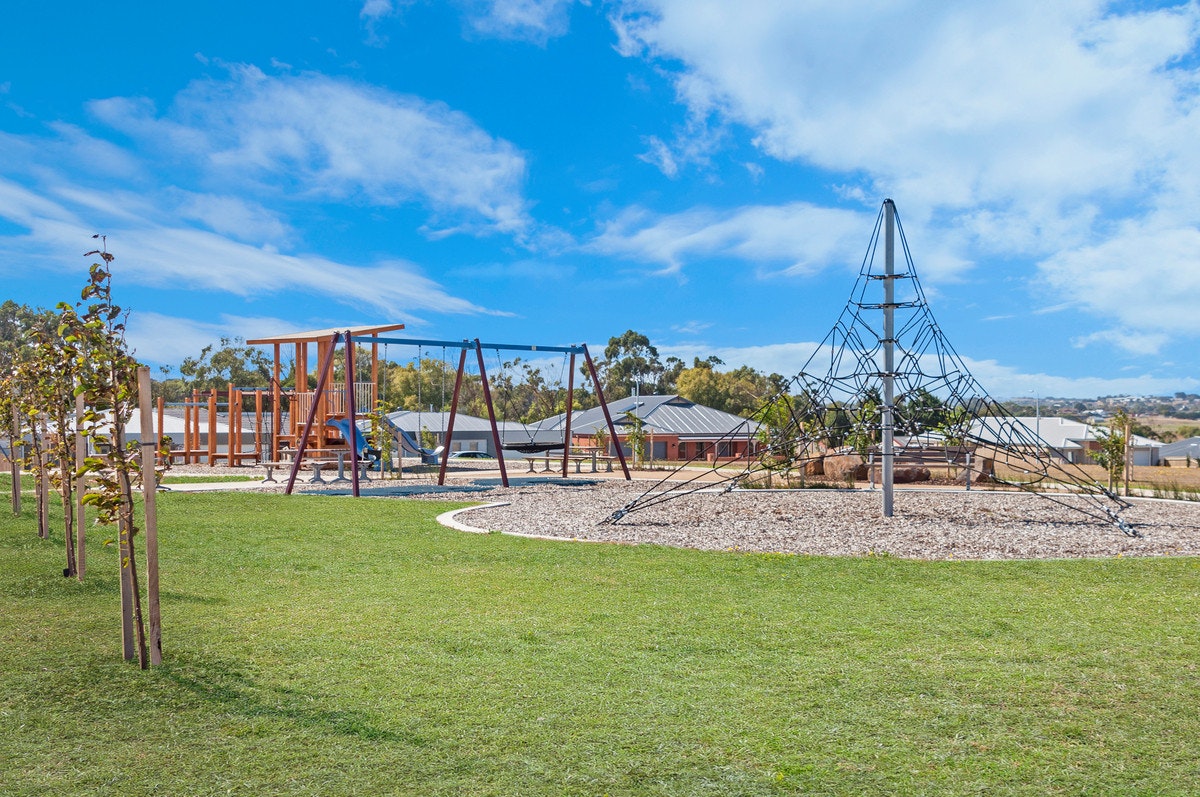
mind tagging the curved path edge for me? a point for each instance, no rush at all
(450, 520)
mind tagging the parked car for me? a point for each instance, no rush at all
(471, 455)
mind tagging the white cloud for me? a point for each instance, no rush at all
(956, 104)
(167, 340)
(1060, 131)
(198, 259)
(660, 156)
(527, 20)
(234, 216)
(1144, 278)
(1135, 343)
(372, 14)
(320, 138)
(163, 253)
(800, 237)
(691, 327)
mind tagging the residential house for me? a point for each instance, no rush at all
(1074, 441)
(675, 429)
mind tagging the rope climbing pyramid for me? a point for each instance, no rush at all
(886, 390)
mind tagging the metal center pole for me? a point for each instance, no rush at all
(889, 348)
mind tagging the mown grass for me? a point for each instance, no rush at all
(320, 645)
(169, 479)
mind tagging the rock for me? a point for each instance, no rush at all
(908, 475)
(841, 467)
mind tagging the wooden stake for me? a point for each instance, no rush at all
(14, 460)
(212, 428)
(43, 486)
(80, 488)
(149, 447)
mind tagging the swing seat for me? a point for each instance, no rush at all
(530, 448)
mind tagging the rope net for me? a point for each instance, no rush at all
(832, 413)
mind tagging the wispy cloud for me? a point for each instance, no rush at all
(534, 21)
(1133, 342)
(165, 254)
(1144, 277)
(327, 139)
(691, 327)
(372, 14)
(160, 338)
(800, 238)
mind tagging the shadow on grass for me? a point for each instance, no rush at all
(222, 684)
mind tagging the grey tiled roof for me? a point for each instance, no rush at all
(673, 415)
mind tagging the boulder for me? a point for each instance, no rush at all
(842, 467)
(910, 474)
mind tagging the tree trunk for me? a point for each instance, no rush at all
(133, 628)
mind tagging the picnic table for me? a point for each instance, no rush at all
(553, 460)
(316, 461)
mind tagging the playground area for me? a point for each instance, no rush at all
(930, 523)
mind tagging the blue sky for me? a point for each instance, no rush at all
(707, 172)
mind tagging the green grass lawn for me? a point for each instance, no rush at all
(202, 479)
(326, 646)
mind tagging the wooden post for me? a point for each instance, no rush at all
(258, 425)
(301, 387)
(187, 430)
(162, 415)
(193, 456)
(212, 428)
(43, 486)
(276, 408)
(80, 489)
(149, 448)
(233, 430)
(322, 401)
(14, 463)
(375, 375)
(351, 413)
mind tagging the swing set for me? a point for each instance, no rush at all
(349, 338)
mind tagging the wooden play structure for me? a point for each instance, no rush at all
(329, 401)
(270, 431)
